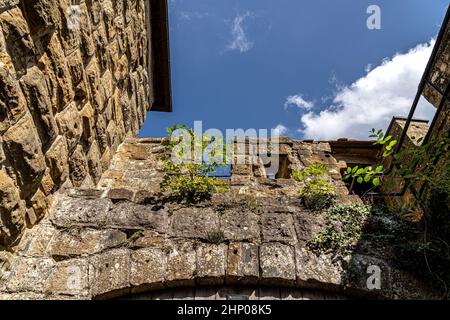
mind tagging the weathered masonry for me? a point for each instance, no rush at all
(82, 215)
(123, 238)
(76, 79)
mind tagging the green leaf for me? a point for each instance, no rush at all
(367, 178)
(378, 169)
(376, 182)
(360, 180)
(360, 171)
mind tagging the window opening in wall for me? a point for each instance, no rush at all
(282, 171)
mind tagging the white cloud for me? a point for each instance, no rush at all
(191, 15)
(298, 101)
(279, 130)
(385, 91)
(240, 41)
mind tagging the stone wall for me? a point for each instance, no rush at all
(124, 238)
(73, 85)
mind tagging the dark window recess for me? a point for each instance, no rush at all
(282, 171)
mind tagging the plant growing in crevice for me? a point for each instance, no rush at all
(344, 224)
(216, 236)
(317, 192)
(188, 162)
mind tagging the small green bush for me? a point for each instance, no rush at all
(317, 193)
(216, 236)
(189, 179)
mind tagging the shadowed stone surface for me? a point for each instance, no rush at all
(99, 243)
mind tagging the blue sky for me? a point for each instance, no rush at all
(310, 68)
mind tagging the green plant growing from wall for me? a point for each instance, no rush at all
(370, 174)
(343, 230)
(317, 192)
(189, 161)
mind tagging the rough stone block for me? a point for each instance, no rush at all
(120, 194)
(70, 125)
(148, 267)
(18, 40)
(12, 211)
(240, 225)
(278, 227)
(277, 264)
(40, 204)
(78, 166)
(368, 274)
(35, 241)
(57, 160)
(211, 263)
(181, 263)
(148, 238)
(242, 263)
(69, 212)
(43, 16)
(39, 103)
(22, 144)
(94, 164)
(70, 277)
(6, 262)
(308, 224)
(131, 215)
(194, 222)
(317, 271)
(109, 273)
(29, 274)
(77, 242)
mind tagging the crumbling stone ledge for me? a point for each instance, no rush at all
(93, 247)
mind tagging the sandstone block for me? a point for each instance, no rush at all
(277, 263)
(313, 270)
(12, 210)
(70, 125)
(148, 267)
(77, 242)
(69, 277)
(211, 263)
(278, 227)
(240, 225)
(308, 225)
(130, 215)
(24, 146)
(18, 40)
(194, 222)
(120, 194)
(242, 263)
(57, 160)
(181, 263)
(78, 166)
(94, 164)
(38, 100)
(12, 101)
(35, 241)
(109, 273)
(29, 274)
(43, 16)
(40, 204)
(80, 212)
